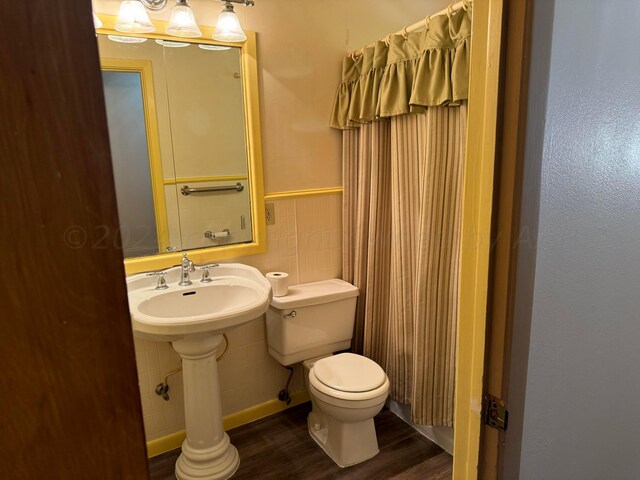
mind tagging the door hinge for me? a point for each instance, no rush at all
(495, 413)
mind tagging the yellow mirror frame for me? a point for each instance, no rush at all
(254, 153)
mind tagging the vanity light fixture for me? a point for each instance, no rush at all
(133, 18)
(183, 23)
(228, 27)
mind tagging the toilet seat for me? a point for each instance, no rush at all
(349, 377)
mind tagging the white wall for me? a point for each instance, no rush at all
(581, 417)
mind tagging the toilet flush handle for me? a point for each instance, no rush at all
(291, 314)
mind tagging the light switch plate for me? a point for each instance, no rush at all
(270, 213)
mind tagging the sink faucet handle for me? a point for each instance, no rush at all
(162, 283)
(206, 278)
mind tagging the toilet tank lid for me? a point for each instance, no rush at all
(315, 293)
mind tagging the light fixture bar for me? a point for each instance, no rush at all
(246, 3)
(154, 5)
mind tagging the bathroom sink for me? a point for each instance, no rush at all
(236, 295)
(194, 318)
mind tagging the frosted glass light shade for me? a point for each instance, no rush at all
(228, 28)
(215, 48)
(171, 44)
(97, 23)
(183, 23)
(122, 39)
(133, 18)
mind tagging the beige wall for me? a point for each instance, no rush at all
(300, 49)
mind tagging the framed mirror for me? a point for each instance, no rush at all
(185, 141)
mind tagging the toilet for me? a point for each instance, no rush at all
(308, 325)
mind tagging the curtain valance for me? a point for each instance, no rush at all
(414, 71)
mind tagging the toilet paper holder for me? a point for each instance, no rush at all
(224, 233)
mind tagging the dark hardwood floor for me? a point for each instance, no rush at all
(279, 447)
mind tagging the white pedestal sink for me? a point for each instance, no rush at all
(193, 318)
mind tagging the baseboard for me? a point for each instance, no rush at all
(233, 420)
(441, 436)
(165, 444)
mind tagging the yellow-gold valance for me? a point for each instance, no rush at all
(413, 71)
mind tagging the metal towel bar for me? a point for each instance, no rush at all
(186, 190)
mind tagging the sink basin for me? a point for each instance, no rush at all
(194, 318)
(237, 294)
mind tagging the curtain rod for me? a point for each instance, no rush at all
(418, 25)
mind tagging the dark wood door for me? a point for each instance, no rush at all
(69, 402)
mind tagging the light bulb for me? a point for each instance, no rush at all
(133, 18)
(228, 28)
(183, 23)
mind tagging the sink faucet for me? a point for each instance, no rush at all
(187, 267)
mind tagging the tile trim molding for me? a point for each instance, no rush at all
(303, 193)
(171, 442)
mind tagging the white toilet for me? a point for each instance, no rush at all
(347, 390)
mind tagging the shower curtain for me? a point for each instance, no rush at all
(403, 111)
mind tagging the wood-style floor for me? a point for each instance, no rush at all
(279, 447)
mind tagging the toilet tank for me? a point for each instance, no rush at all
(313, 319)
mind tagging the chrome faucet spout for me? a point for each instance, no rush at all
(187, 267)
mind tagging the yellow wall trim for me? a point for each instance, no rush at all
(165, 444)
(477, 204)
(251, 414)
(219, 178)
(303, 193)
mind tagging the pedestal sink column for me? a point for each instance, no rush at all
(207, 453)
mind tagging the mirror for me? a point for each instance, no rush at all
(184, 134)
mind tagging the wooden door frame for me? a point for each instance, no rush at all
(491, 205)
(506, 225)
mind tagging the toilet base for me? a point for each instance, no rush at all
(346, 444)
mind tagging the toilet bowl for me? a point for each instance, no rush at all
(346, 391)
(308, 325)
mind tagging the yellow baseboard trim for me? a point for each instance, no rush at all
(165, 444)
(233, 420)
(303, 193)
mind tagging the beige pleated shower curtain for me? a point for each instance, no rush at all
(402, 107)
